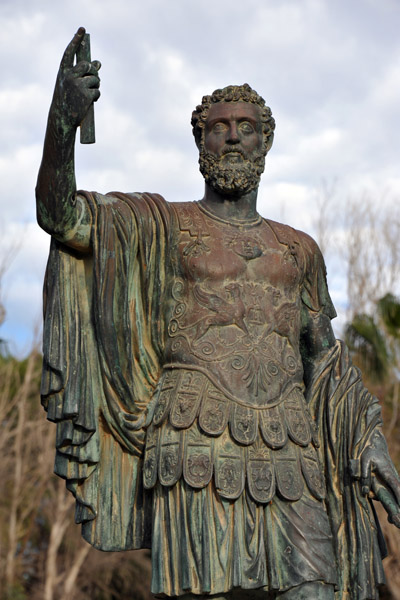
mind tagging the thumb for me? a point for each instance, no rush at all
(365, 480)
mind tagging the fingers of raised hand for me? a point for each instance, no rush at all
(93, 92)
(84, 68)
(70, 51)
(86, 76)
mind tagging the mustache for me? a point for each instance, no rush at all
(227, 178)
(229, 150)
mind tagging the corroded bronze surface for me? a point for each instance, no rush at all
(203, 406)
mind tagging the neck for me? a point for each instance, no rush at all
(231, 208)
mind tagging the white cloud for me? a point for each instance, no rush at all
(25, 246)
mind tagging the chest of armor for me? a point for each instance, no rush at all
(234, 306)
(230, 401)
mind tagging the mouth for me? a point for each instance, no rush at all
(233, 156)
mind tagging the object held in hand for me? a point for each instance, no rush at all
(87, 126)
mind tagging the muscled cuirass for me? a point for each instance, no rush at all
(230, 401)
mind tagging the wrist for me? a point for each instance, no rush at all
(61, 126)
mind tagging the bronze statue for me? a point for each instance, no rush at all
(203, 405)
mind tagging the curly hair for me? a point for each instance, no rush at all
(233, 93)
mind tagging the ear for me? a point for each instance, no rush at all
(268, 145)
(197, 138)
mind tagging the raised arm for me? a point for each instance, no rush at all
(77, 87)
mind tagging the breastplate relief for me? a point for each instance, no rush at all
(231, 314)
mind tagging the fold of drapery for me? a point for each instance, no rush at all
(103, 335)
(347, 416)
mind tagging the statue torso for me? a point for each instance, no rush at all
(234, 306)
(230, 400)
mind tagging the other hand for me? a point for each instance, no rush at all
(379, 473)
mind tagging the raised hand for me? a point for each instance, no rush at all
(77, 87)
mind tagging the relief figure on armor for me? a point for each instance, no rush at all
(199, 392)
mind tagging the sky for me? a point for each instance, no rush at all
(329, 70)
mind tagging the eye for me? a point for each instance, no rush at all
(246, 127)
(219, 127)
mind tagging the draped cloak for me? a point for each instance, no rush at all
(103, 346)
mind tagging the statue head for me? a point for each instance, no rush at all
(233, 177)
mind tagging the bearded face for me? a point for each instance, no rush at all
(233, 173)
(232, 148)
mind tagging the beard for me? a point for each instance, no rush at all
(228, 178)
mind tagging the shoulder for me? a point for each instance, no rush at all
(134, 198)
(287, 234)
(127, 197)
(298, 241)
(140, 205)
(312, 253)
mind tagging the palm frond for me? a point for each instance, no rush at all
(389, 312)
(364, 337)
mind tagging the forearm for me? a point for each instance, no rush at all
(56, 186)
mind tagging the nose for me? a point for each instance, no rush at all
(233, 134)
